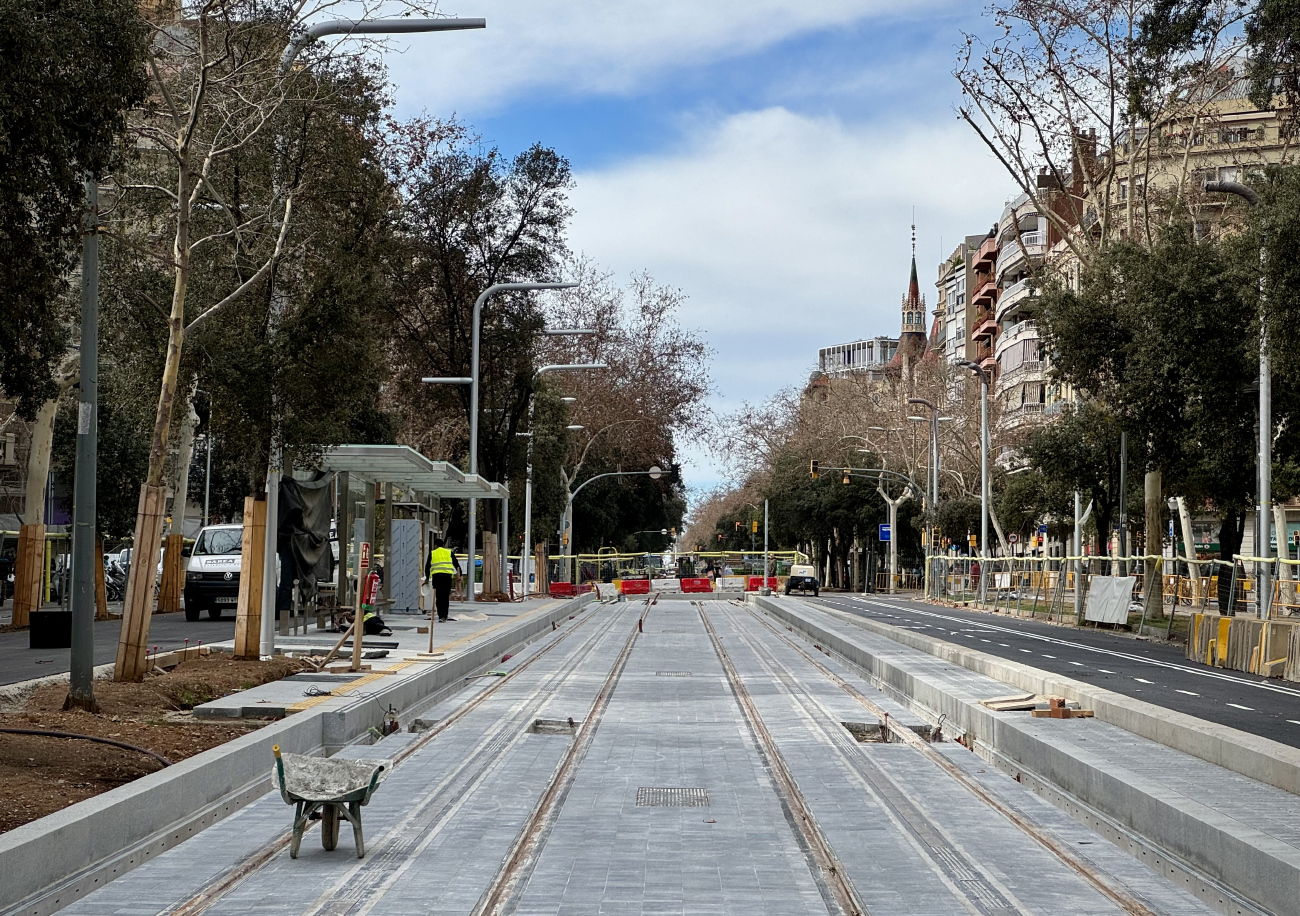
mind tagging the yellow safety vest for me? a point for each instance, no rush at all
(440, 561)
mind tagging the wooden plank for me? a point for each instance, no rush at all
(133, 644)
(101, 591)
(169, 589)
(27, 573)
(248, 615)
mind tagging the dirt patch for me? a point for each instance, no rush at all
(40, 775)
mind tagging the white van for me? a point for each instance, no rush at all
(212, 573)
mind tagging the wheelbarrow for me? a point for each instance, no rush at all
(330, 787)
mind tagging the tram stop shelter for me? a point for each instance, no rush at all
(409, 523)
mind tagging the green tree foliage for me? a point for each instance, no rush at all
(1273, 34)
(1163, 341)
(1081, 451)
(71, 69)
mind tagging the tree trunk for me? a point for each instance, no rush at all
(38, 463)
(132, 645)
(181, 470)
(1153, 595)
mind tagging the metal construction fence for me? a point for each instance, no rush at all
(1071, 587)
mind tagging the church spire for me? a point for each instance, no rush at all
(914, 314)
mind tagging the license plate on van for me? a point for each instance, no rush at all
(234, 600)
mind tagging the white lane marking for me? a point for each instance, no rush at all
(1293, 722)
(1143, 680)
(1027, 651)
(1188, 692)
(1080, 664)
(1216, 675)
(982, 640)
(1239, 706)
(1045, 655)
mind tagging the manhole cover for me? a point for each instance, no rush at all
(672, 674)
(661, 797)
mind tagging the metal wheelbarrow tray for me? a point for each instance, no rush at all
(335, 788)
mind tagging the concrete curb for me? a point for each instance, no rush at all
(59, 858)
(1256, 866)
(1250, 755)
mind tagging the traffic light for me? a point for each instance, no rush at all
(737, 526)
(753, 527)
(813, 468)
(846, 478)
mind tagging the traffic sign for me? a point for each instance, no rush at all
(1013, 538)
(365, 555)
(885, 533)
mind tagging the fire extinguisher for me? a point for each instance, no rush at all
(370, 593)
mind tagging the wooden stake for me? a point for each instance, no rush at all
(101, 591)
(169, 589)
(133, 644)
(248, 615)
(27, 573)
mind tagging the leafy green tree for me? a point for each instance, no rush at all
(1162, 340)
(71, 70)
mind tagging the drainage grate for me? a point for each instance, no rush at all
(672, 674)
(661, 797)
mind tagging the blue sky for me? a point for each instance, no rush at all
(765, 158)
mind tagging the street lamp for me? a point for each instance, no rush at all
(483, 297)
(984, 466)
(528, 481)
(274, 468)
(934, 474)
(1263, 523)
(566, 524)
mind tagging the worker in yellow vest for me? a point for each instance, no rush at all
(443, 570)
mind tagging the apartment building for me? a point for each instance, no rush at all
(869, 356)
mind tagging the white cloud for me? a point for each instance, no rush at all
(789, 232)
(598, 46)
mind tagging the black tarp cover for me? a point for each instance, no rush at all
(304, 537)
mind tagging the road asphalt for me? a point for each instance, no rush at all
(167, 631)
(1151, 671)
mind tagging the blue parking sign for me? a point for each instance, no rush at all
(885, 533)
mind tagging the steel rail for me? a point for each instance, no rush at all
(970, 883)
(360, 888)
(842, 895)
(1117, 895)
(518, 866)
(221, 885)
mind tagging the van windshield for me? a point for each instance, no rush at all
(219, 541)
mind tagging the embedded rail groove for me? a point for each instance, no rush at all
(842, 895)
(501, 895)
(221, 885)
(963, 875)
(1117, 895)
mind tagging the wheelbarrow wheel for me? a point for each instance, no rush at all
(329, 827)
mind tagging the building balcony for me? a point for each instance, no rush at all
(986, 325)
(1024, 330)
(985, 294)
(1014, 295)
(986, 255)
(1030, 249)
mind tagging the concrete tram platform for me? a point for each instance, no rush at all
(683, 757)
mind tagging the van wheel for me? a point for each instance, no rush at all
(816, 592)
(192, 612)
(214, 612)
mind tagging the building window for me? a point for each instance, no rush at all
(1228, 173)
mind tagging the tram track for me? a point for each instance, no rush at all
(1110, 889)
(837, 889)
(502, 896)
(461, 782)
